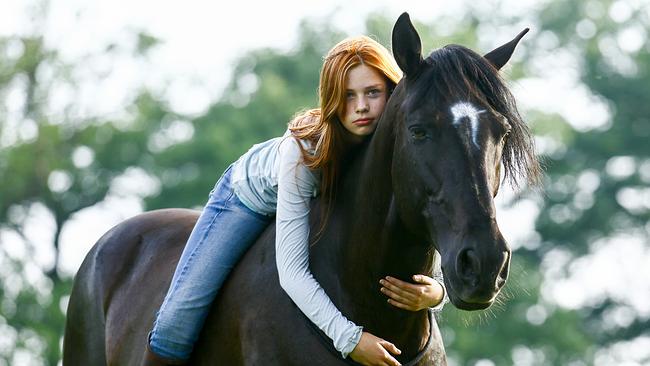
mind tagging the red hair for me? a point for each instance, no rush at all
(322, 126)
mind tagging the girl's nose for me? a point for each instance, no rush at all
(362, 106)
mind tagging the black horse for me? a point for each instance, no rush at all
(423, 183)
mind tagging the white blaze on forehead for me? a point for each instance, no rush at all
(465, 109)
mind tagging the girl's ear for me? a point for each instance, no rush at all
(407, 47)
(500, 56)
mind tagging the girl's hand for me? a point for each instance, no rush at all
(425, 293)
(374, 351)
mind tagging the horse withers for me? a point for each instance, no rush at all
(423, 183)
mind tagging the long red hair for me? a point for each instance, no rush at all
(322, 126)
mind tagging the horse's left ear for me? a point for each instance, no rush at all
(407, 47)
(500, 56)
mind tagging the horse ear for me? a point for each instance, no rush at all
(407, 47)
(500, 56)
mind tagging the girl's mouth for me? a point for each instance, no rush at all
(363, 121)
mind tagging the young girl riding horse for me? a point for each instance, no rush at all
(276, 180)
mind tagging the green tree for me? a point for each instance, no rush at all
(599, 178)
(266, 89)
(57, 162)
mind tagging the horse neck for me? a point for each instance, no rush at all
(378, 244)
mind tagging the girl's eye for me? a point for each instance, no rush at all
(374, 92)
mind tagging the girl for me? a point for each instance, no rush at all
(278, 178)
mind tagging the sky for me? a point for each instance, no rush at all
(200, 42)
(201, 39)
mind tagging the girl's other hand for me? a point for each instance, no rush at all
(425, 293)
(374, 351)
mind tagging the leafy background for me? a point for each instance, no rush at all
(579, 292)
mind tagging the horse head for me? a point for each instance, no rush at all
(455, 126)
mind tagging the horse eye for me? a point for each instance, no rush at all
(418, 133)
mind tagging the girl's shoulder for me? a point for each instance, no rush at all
(294, 145)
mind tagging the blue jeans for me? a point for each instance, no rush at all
(221, 236)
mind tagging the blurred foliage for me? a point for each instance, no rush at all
(266, 89)
(42, 164)
(39, 165)
(599, 182)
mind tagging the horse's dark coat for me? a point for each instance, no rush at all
(413, 188)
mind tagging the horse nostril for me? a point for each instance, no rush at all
(503, 274)
(468, 266)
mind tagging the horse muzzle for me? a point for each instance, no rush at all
(475, 275)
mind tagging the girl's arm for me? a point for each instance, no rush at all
(296, 185)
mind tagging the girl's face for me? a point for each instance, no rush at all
(365, 99)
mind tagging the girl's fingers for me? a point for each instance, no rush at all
(395, 296)
(390, 347)
(401, 288)
(423, 279)
(389, 359)
(386, 349)
(399, 283)
(400, 305)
